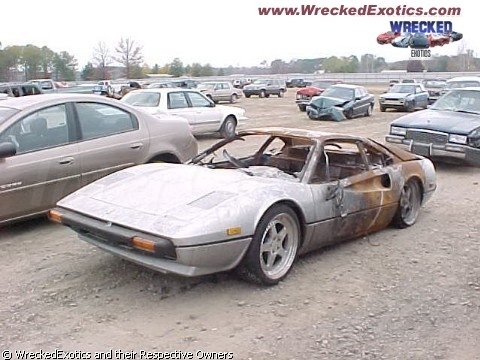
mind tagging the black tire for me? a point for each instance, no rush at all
(271, 256)
(229, 127)
(408, 205)
(247, 96)
(262, 94)
(369, 110)
(349, 114)
(302, 107)
(233, 98)
(382, 108)
(410, 106)
(280, 94)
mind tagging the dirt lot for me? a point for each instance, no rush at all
(398, 294)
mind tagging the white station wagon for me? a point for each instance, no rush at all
(203, 115)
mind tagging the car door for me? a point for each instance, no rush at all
(223, 91)
(364, 193)
(111, 139)
(361, 102)
(421, 96)
(46, 165)
(177, 104)
(208, 117)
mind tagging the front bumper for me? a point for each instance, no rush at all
(252, 92)
(187, 261)
(394, 104)
(465, 153)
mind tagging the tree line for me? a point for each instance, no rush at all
(125, 60)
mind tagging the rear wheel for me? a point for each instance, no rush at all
(408, 205)
(281, 93)
(369, 110)
(302, 107)
(233, 98)
(274, 247)
(262, 94)
(229, 127)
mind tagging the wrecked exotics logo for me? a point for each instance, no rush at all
(419, 36)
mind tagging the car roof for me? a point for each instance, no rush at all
(161, 90)
(470, 88)
(23, 102)
(300, 133)
(347, 86)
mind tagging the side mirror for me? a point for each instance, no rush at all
(7, 149)
(212, 104)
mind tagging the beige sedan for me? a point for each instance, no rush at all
(53, 144)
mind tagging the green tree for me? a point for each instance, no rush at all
(155, 69)
(10, 59)
(176, 67)
(195, 70)
(129, 54)
(64, 66)
(31, 61)
(221, 72)
(414, 66)
(206, 70)
(46, 61)
(88, 72)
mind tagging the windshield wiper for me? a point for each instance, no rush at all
(468, 112)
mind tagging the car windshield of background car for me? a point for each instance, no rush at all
(5, 113)
(322, 84)
(206, 86)
(459, 100)
(147, 99)
(339, 93)
(402, 89)
(434, 84)
(259, 82)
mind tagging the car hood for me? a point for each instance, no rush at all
(324, 102)
(440, 120)
(395, 95)
(309, 90)
(167, 198)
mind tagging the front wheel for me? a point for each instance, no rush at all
(280, 94)
(302, 107)
(369, 110)
(229, 127)
(349, 114)
(408, 205)
(262, 94)
(382, 108)
(274, 247)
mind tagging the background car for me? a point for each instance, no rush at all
(406, 97)
(388, 37)
(304, 95)
(296, 82)
(460, 82)
(104, 87)
(434, 88)
(265, 87)
(220, 91)
(254, 211)
(449, 129)
(161, 84)
(341, 101)
(201, 112)
(52, 144)
(20, 89)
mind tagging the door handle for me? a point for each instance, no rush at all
(136, 145)
(66, 161)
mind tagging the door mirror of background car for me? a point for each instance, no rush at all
(7, 149)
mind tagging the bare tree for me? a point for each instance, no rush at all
(102, 58)
(129, 54)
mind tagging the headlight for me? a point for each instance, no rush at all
(396, 130)
(381, 99)
(474, 138)
(459, 139)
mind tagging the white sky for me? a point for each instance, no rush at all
(219, 32)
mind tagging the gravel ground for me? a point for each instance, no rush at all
(397, 294)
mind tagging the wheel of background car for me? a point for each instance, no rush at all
(262, 94)
(302, 107)
(410, 106)
(408, 205)
(109, 91)
(233, 98)
(369, 110)
(247, 96)
(234, 161)
(382, 108)
(280, 94)
(349, 114)
(274, 247)
(229, 127)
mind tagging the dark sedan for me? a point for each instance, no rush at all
(341, 101)
(450, 128)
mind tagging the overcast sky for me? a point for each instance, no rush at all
(219, 32)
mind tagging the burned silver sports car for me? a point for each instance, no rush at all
(252, 203)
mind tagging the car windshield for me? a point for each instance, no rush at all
(434, 83)
(5, 113)
(322, 84)
(262, 155)
(462, 84)
(459, 100)
(403, 89)
(339, 93)
(147, 99)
